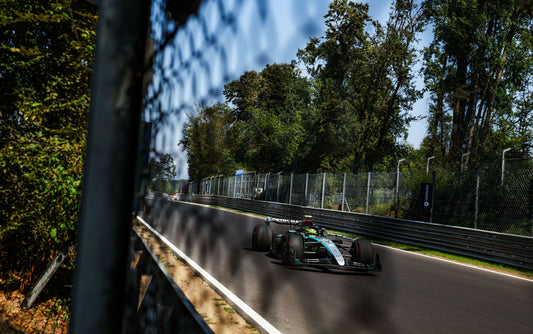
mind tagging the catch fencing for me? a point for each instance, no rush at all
(488, 199)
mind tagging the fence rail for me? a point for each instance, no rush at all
(161, 306)
(512, 250)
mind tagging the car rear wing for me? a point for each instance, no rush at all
(284, 221)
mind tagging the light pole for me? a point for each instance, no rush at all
(427, 165)
(503, 162)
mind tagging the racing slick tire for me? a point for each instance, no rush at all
(262, 237)
(362, 251)
(292, 249)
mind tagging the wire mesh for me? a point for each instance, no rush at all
(193, 60)
(474, 199)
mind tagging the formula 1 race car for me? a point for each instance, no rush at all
(307, 244)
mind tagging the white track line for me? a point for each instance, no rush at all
(227, 294)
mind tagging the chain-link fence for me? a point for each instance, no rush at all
(474, 199)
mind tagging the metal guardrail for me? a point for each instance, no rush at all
(161, 306)
(512, 250)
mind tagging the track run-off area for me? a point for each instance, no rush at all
(413, 293)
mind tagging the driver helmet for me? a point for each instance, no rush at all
(311, 231)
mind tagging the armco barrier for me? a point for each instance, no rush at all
(513, 250)
(161, 306)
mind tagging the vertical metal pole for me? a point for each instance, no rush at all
(343, 191)
(243, 176)
(99, 296)
(503, 163)
(427, 165)
(368, 191)
(277, 188)
(266, 184)
(235, 186)
(323, 189)
(398, 187)
(433, 199)
(306, 185)
(477, 202)
(257, 186)
(290, 189)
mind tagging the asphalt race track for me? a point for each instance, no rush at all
(413, 294)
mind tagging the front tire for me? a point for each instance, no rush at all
(262, 237)
(292, 249)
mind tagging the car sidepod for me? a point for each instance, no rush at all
(331, 248)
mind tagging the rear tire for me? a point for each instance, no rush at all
(362, 251)
(262, 237)
(292, 249)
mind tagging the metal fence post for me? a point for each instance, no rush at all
(323, 189)
(267, 176)
(477, 201)
(306, 185)
(368, 191)
(240, 185)
(432, 196)
(398, 187)
(257, 186)
(99, 295)
(277, 188)
(503, 163)
(290, 189)
(343, 191)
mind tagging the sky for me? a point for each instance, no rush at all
(229, 37)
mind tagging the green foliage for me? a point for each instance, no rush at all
(268, 118)
(364, 84)
(162, 172)
(347, 115)
(208, 140)
(479, 70)
(43, 119)
(351, 112)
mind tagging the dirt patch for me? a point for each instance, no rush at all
(220, 317)
(46, 317)
(51, 317)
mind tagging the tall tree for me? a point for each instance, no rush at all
(208, 143)
(44, 50)
(162, 171)
(476, 69)
(269, 107)
(364, 83)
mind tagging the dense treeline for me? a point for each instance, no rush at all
(478, 70)
(344, 104)
(45, 84)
